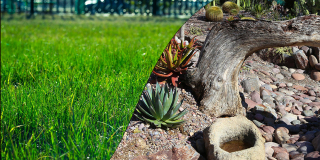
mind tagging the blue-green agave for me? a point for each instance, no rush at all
(159, 107)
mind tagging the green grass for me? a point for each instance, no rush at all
(69, 87)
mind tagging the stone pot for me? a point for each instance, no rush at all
(235, 129)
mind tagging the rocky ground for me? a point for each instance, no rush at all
(282, 100)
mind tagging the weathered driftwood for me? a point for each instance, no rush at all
(215, 78)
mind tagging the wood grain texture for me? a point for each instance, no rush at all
(215, 78)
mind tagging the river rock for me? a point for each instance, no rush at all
(317, 66)
(296, 122)
(295, 155)
(268, 148)
(293, 138)
(313, 60)
(291, 70)
(301, 60)
(290, 147)
(315, 75)
(292, 129)
(305, 49)
(300, 88)
(279, 76)
(295, 111)
(304, 147)
(255, 96)
(313, 155)
(282, 156)
(250, 84)
(280, 153)
(275, 70)
(316, 142)
(308, 113)
(309, 136)
(266, 110)
(268, 129)
(295, 49)
(281, 135)
(291, 117)
(298, 76)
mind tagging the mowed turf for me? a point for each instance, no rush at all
(69, 87)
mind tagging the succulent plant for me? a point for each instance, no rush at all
(248, 18)
(212, 3)
(228, 6)
(231, 18)
(159, 107)
(214, 14)
(175, 60)
(234, 12)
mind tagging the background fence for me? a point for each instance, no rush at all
(120, 7)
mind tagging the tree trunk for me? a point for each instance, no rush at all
(215, 78)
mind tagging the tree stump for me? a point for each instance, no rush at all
(215, 78)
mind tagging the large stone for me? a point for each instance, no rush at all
(301, 59)
(234, 128)
(250, 84)
(312, 60)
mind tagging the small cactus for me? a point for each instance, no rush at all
(248, 18)
(234, 12)
(214, 14)
(228, 6)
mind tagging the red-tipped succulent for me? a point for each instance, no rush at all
(175, 60)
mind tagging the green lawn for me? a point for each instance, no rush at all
(69, 87)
